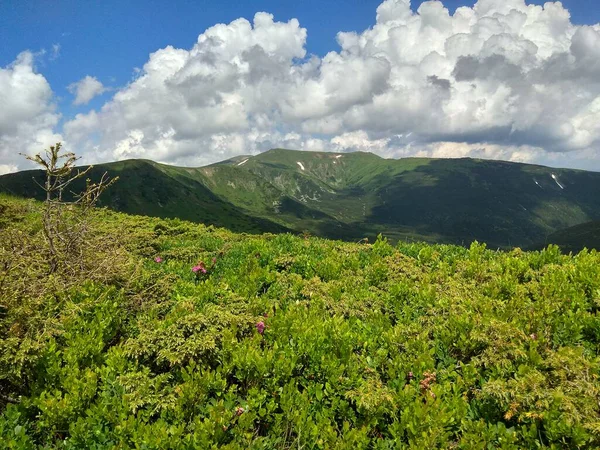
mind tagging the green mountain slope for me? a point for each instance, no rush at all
(353, 195)
(151, 189)
(504, 204)
(252, 193)
(451, 200)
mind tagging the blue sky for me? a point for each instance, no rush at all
(505, 79)
(109, 38)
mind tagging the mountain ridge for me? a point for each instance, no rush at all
(355, 195)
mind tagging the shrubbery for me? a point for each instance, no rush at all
(364, 346)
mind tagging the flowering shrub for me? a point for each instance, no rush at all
(368, 345)
(199, 271)
(199, 268)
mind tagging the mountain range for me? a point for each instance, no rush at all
(350, 196)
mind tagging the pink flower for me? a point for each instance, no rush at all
(260, 327)
(239, 411)
(199, 268)
(158, 259)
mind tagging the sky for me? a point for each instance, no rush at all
(194, 82)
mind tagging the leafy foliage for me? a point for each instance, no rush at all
(364, 345)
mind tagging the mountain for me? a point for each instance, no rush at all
(151, 189)
(353, 195)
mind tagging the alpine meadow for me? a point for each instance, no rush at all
(335, 225)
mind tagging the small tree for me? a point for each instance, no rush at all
(65, 224)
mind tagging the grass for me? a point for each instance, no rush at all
(365, 345)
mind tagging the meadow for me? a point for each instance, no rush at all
(169, 334)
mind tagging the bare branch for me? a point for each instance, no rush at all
(37, 182)
(65, 225)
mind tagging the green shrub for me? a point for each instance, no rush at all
(365, 346)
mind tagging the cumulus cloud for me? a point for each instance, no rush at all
(27, 116)
(219, 99)
(502, 79)
(86, 89)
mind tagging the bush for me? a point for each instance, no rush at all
(364, 346)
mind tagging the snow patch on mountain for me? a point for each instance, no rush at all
(555, 178)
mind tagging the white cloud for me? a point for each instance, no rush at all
(7, 168)
(27, 115)
(359, 141)
(502, 79)
(86, 89)
(214, 101)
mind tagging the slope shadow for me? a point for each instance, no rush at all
(490, 201)
(573, 239)
(143, 189)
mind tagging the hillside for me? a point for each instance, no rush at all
(447, 200)
(151, 189)
(290, 342)
(353, 195)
